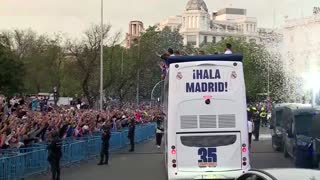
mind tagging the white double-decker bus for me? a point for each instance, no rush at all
(206, 131)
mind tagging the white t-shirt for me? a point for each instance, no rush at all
(250, 127)
(228, 51)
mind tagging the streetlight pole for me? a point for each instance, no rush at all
(122, 61)
(154, 87)
(138, 72)
(101, 59)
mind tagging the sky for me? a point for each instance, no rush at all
(72, 17)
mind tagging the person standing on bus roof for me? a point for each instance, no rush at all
(201, 52)
(228, 49)
(170, 52)
(131, 133)
(177, 53)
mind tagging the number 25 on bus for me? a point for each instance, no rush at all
(206, 131)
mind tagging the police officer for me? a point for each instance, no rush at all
(105, 137)
(263, 116)
(131, 134)
(54, 155)
(256, 122)
(159, 130)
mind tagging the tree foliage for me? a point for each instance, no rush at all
(37, 62)
(11, 73)
(256, 61)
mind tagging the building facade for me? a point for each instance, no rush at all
(172, 22)
(135, 30)
(301, 44)
(198, 26)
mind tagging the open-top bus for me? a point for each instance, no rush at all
(206, 130)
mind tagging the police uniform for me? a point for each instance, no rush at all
(256, 122)
(159, 131)
(131, 133)
(105, 137)
(54, 156)
(263, 116)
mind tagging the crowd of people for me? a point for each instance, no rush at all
(22, 125)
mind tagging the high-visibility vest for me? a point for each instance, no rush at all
(263, 114)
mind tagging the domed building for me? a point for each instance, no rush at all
(198, 26)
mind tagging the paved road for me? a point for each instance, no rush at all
(147, 163)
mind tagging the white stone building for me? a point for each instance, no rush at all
(173, 22)
(197, 26)
(135, 30)
(301, 44)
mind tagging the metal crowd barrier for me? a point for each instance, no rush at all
(20, 163)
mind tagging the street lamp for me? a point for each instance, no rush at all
(138, 72)
(122, 61)
(101, 59)
(154, 87)
(55, 95)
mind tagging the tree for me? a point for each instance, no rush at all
(41, 56)
(153, 42)
(86, 53)
(11, 73)
(255, 64)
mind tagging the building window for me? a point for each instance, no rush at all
(192, 21)
(192, 39)
(205, 39)
(214, 40)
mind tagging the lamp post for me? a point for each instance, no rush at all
(55, 95)
(138, 74)
(101, 59)
(122, 61)
(154, 87)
